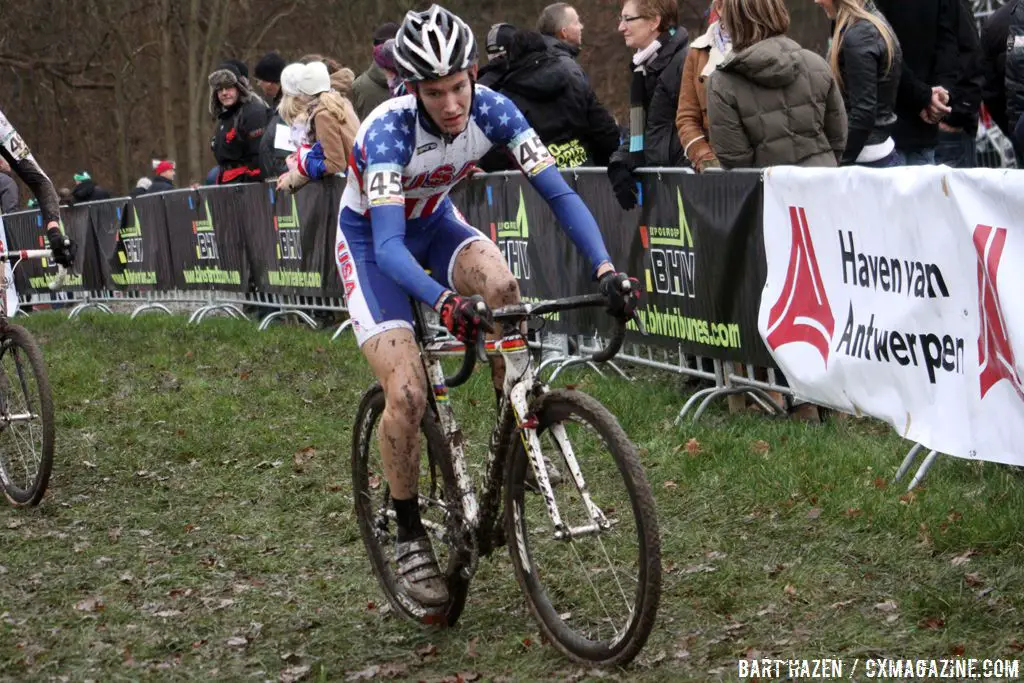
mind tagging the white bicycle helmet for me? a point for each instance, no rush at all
(433, 44)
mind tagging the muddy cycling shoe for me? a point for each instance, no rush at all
(418, 575)
(554, 475)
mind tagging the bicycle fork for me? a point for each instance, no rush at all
(520, 378)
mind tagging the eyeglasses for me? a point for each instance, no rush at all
(625, 20)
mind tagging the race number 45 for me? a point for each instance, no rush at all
(385, 187)
(532, 155)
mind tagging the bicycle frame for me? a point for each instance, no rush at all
(481, 520)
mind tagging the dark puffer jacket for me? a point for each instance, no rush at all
(561, 107)
(773, 104)
(869, 86)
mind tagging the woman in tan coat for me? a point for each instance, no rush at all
(324, 124)
(704, 56)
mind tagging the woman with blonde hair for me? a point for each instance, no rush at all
(866, 60)
(772, 102)
(323, 124)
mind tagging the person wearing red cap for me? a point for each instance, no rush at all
(162, 178)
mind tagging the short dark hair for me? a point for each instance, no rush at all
(553, 18)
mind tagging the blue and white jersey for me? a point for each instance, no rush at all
(402, 169)
(396, 161)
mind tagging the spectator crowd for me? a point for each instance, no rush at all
(904, 82)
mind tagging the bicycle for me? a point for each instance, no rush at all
(556, 522)
(25, 420)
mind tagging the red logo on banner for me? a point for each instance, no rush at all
(802, 312)
(995, 355)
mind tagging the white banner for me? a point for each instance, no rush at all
(896, 293)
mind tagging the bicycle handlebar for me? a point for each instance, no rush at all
(518, 312)
(14, 257)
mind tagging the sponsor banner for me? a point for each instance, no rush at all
(897, 307)
(205, 235)
(25, 230)
(131, 238)
(284, 233)
(696, 249)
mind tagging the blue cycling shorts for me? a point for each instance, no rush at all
(375, 302)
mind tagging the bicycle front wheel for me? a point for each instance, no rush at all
(594, 590)
(26, 418)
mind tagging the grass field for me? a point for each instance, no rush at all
(199, 526)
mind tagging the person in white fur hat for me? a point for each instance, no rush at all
(323, 124)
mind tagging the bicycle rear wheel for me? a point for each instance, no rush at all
(439, 508)
(26, 418)
(576, 586)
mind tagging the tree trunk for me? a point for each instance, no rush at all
(121, 130)
(170, 146)
(194, 99)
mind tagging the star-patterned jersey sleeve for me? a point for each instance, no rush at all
(504, 124)
(388, 147)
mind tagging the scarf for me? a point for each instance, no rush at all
(638, 100)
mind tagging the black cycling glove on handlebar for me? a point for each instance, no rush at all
(622, 292)
(62, 246)
(465, 317)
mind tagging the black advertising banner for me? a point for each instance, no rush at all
(131, 237)
(287, 234)
(26, 231)
(205, 234)
(699, 257)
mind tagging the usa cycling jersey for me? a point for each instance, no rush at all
(400, 174)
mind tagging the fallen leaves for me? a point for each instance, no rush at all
(302, 457)
(387, 670)
(880, 483)
(931, 623)
(961, 560)
(237, 641)
(671, 485)
(973, 579)
(761, 447)
(814, 513)
(294, 674)
(887, 606)
(94, 604)
(693, 447)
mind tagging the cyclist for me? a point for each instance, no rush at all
(16, 153)
(396, 219)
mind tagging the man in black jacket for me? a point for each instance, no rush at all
(563, 33)
(927, 31)
(993, 64)
(957, 133)
(563, 110)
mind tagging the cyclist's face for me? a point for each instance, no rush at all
(448, 99)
